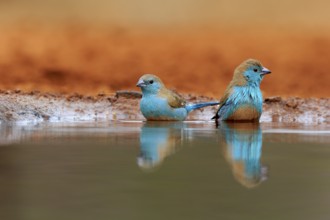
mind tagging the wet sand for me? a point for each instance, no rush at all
(30, 107)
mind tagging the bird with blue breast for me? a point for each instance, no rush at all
(242, 100)
(161, 104)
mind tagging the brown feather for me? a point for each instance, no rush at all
(174, 99)
(246, 113)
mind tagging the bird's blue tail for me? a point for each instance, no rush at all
(191, 107)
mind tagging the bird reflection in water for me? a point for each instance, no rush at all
(158, 140)
(243, 148)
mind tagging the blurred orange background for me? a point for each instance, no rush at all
(103, 46)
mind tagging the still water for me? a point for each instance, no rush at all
(190, 170)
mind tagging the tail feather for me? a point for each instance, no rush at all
(215, 117)
(191, 107)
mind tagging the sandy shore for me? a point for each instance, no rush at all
(22, 107)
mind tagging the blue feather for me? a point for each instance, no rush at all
(155, 108)
(191, 107)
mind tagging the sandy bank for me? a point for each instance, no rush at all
(17, 106)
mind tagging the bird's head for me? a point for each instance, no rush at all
(250, 72)
(150, 84)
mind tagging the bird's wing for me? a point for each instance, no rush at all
(173, 99)
(222, 103)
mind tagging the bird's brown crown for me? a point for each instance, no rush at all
(239, 78)
(150, 77)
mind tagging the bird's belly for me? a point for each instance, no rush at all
(156, 109)
(245, 113)
(245, 105)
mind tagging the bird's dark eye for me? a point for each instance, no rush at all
(151, 81)
(255, 70)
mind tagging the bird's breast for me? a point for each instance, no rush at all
(247, 104)
(250, 96)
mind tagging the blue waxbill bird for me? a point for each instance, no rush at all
(161, 104)
(242, 100)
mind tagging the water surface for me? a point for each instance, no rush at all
(158, 171)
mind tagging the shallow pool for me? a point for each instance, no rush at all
(186, 170)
